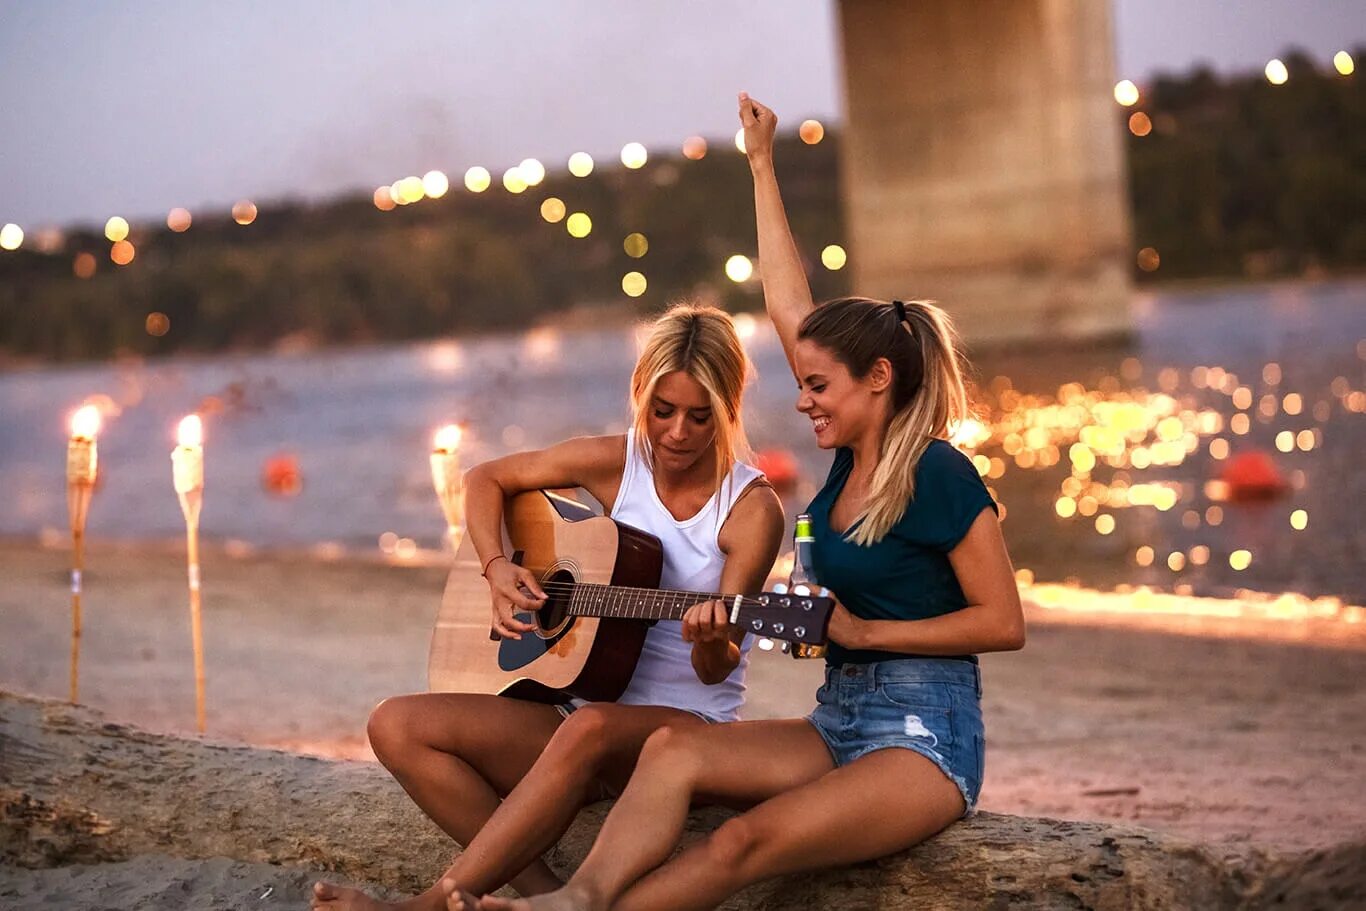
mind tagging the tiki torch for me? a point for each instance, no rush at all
(80, 483)
(450, 489)
(187, 463)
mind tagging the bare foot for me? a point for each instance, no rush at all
(457, 899)
(566, 899)
(331, 897)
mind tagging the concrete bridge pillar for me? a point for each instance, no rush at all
(983, 166)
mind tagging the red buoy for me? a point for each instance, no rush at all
(280, 475)
(780, 467)
(1252, 475)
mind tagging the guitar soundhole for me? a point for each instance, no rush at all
(556, 611)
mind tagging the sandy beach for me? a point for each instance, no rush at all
(1238, 733)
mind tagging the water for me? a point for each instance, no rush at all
(359, 424)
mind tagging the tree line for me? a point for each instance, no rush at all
(1235, 178)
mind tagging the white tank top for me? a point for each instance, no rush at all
(692, 562)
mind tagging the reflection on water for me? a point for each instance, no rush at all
(1114, 465)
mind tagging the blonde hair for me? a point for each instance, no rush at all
(701, 342)
(929, 396)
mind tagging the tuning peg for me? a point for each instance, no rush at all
(786, 647)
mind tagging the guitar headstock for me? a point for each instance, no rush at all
(795, 616)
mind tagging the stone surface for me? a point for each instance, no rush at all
(84, 798)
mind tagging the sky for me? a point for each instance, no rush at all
(136, 107)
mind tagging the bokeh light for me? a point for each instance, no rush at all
(244, 212)
(636, 245)
(1343, 63)
(122, 253)
(552, 209)
(11, 237)
(116, 229)
(1148, 259)
(580, 164)
(833, 257)
(1140, 124)
(157, 324)
(532, 171)
(411, 190)
(695, 148)
(1299, 520)
(178, 220)
(512, 180)
(633, 155)
(1126, 93)
(579, 225)
(435, 184)
(384, 199)
(1276, 73)
(477, 179)
(1240, 560)
(740, 140)
(739, 268)
(633, 283)
(83, 265)
(811, 132)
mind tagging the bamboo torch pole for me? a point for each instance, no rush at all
(81, 463)
(187, 463)
(450, 488)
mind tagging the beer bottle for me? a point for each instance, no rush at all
(803, 580)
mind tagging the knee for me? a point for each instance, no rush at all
(670, 748)
(584, 737)
(734, 844)
(390, 728)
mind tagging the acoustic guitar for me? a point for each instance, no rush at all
(602, 580)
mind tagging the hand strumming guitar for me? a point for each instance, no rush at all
(512, 588)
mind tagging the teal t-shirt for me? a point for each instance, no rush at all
(906, 575)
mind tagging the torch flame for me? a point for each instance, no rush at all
(191, 433)
(447, 438)
(85, 423)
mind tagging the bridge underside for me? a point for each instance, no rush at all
(983, 164)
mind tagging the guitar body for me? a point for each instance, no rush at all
(560, 541)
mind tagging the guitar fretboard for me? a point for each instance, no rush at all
(591, 600)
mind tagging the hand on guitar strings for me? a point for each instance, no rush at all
(706, 622)
(512, 588)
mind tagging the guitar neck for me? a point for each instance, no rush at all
(588, 600)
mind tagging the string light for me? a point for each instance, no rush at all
(580, 164)
(1276, 73)
(435, 184)
(1126, 93)
(11, 237)
(116, 229)
(477, 179)
(739, 268)
(633, 155)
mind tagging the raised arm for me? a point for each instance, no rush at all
(593, 463)
(787, 296)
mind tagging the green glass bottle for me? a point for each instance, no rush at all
(803, 580)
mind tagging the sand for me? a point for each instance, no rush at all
(1239, 734)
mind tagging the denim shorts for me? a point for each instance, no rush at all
(932, 706)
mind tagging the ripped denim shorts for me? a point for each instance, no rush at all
(930, 705)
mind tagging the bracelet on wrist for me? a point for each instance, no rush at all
(484, 570)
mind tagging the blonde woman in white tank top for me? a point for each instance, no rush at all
(676, 475)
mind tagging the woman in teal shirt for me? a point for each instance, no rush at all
(907, 538)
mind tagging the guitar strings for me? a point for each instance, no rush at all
(568, 588)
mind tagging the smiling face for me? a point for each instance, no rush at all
(680, 422)
(843, 408)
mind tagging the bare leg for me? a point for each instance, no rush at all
(743, 762)
(455, 755)
(598, 745)
(885, 802)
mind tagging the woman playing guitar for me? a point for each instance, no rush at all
(674, 475)
(907, 538)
